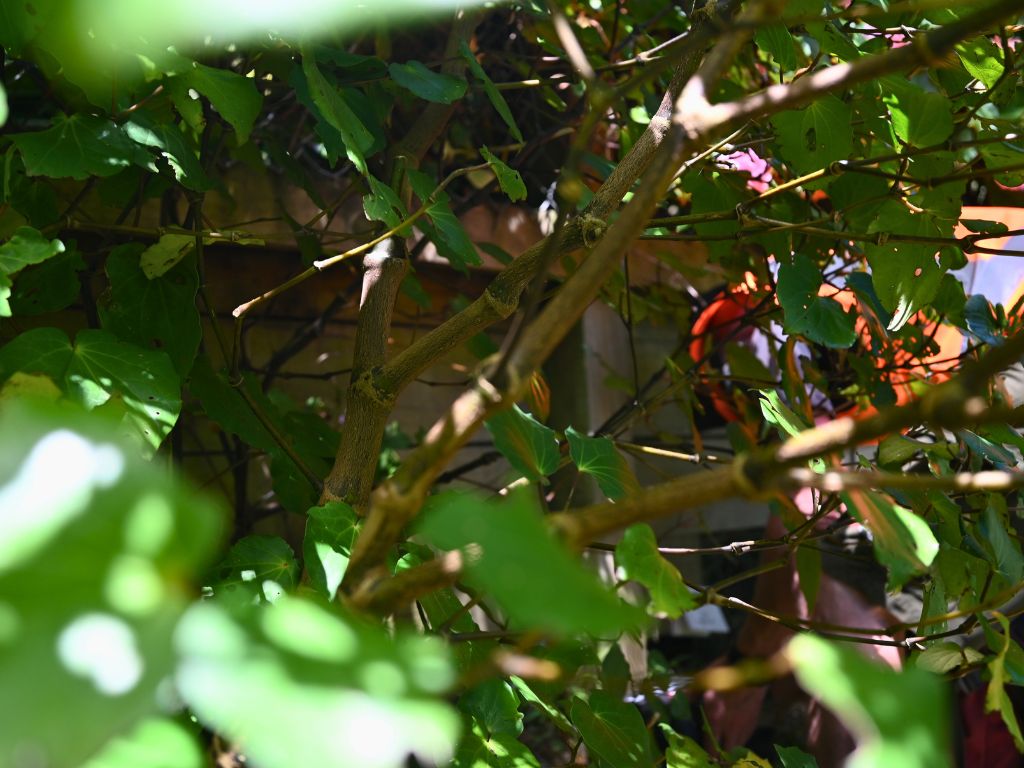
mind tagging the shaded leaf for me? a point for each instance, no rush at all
(509, 180)
(819, 318)
(427, 84)
(495, 707)
(791, 757)
(941, 658)
(160, 257)
(79, 146)
(817, 135)
(338, 113)
(613, 730)
(497, 100)
(498, 751)
(255, 560)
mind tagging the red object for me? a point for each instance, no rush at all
(987, 742)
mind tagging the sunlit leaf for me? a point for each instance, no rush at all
(26, 246)
(941, 658)
(509, 180)
(904, 542)
(158, 742)
(502, 750)
(99, 555)
(338, 113)
(296, 684)
(816, 135)
(638, 557)
(256, 560)
(871, 700)
(99, 369)
(683, 751)
(495, 707)
(599, 457)
(512, 556)
(819, 318)
(330, 533)
(233, 96)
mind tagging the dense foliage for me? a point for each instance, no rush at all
(815, 155)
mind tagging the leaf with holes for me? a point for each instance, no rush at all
(253, 562)
(101, 370)
(817, 135)
(509, 180)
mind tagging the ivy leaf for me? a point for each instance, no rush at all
(26, 246)
(499, 751)
(165, 253)
(509, 180)
(79, 146)
(233, 96)
(255, 560)
(497, 100)
(638, 557)
(495, 706)
(98, 370)
(512, 556)
(337, 113)
(427, 84)
(817, 135)
(869, 697)
(919, 118)
(447, 232)
(599, 457)
(100, 553)
(301, 684)
(330, 533)
(613, 730)
(154, 743)
(158, 313)
(779, 42)
(903, 541)
(818, 318)
(383, 204)
(530, 447)
(170, 144)
(683, 751)
(941, 658)
(982, 59)
(996, 698)
(50, 286)
(906, 275)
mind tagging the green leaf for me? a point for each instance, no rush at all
(495, 707)
(682, 751)
(996, 698)
(330, 533)
(427, 84)
(871, 700)
(298, 684)
(155, 313)
(26, 246)
(1005, 551)
(817, 135)
(920, 118)
(638, 557)
(906, 275)
(234, 97)
(497, 100)
(791, 757)
(941, 658)
(172, 146)
(818, 318)
(509, 180)
(383, 204)
(530, 447)
(903, 541)
(79, 146)
(160, 257)
(4, 110)
(102, 370)
(779, 42)
(255, 560)
(50, 286)
(338, 113)
(531, 697)
(511, 555)
(157, 742)
(446, 231)
(499, 751)
(1002, 155)
(985, 225)
(982, 58)
(613, 730)
(99, 556)
(599, 457)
